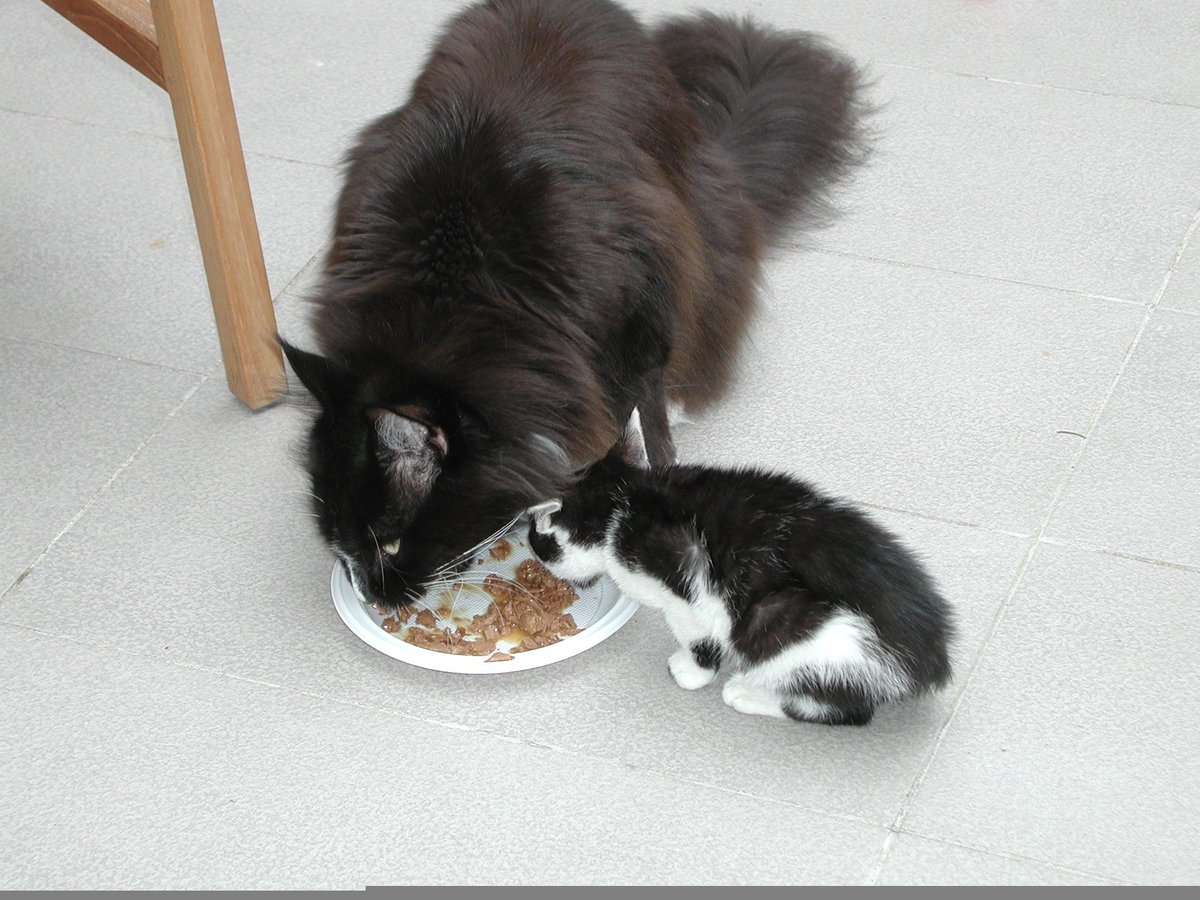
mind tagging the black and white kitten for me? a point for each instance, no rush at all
(821, 613)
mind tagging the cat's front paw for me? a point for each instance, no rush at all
(688, 674)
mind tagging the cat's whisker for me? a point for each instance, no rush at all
(309, 494)
(480, 546)
(379, 554)
(484, 543)
(476, 579)
(457, 597)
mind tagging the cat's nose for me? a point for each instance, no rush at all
(390, 587)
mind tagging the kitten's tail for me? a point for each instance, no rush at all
(787, 107)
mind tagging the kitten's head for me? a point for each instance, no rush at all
(568, 535)
(377, 450)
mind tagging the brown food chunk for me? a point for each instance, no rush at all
(431, 640)
(528, 613)
(391, 625)
(476, 648)
(532, 573)
(535, 577)
(502, 549)
(500, 656)
(502, 590)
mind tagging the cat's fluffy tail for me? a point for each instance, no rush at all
(787, 108)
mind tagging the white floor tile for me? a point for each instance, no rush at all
(1183, 290)
(106, 256)
(946, 395)
(1073, 744)
(918, 860)
(1068, 190)
(1136, 488)
(152, 776)
(69, 421)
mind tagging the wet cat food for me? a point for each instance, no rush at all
(524, 614)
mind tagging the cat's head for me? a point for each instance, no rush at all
(378, 448)
(568, 534)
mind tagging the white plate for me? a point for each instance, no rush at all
(600, 612)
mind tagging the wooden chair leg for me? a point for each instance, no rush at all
(193, 65)
(123, 26)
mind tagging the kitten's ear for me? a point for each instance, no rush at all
(542, 512)
(631, 448)
(325, 379)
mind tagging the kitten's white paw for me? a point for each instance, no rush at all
(751, 700)
(688, 674)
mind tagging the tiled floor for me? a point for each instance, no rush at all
(997, 348)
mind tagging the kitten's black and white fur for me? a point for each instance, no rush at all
(822, 614)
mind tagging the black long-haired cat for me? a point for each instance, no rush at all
(564, 220)
(821, 613)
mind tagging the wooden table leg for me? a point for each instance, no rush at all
(194, 67)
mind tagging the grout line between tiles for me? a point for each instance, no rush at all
(873, 873)
(125, 359)
(281, 296)
(1025, 535)
(1182, 312)
(1035, 542)
(289, 159)
(99, 492)
(964, 683)
(454, 726)
(1016, 857)
(1119, 554)
(805, 246)
(166, 138)
(1151, 308)
(962, 523)
(1042, 85)
(170, 139)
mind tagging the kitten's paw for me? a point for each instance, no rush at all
(688, 674)
(751, 700)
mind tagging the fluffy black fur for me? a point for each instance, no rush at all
(565, 220)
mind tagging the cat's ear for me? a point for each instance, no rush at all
(542, 512)
(631, 448)
(407, 431)
(411, 449)
(324, 378)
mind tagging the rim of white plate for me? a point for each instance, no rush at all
(359, 619)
